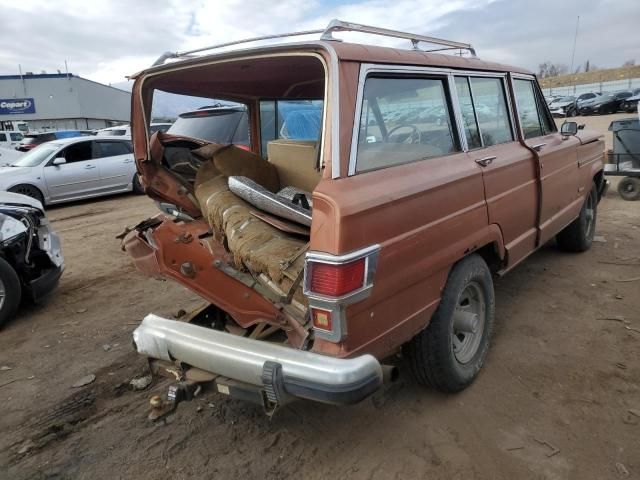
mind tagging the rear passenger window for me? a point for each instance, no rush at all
(111, 149)
(3, 137)
(533, 118)
(16, 137)
(403, 120)
(490, 106)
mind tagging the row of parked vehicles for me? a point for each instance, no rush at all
(594, 103)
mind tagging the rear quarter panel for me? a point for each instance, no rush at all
(425, 215)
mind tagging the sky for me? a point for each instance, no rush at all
(107, 40)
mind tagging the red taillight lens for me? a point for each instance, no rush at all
(336, 280)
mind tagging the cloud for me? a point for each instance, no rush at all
(106, 40)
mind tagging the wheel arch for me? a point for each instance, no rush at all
(30, 184)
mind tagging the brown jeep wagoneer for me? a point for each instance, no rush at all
(382, 191)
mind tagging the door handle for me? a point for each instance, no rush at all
(483, 162)
(128, 160)
(89, 167)
(538, 147)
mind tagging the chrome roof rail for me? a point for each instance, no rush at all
(334, 26)
(190, 53)
(340, 26)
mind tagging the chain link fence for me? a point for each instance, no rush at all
(599, 87)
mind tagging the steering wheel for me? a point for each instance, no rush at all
(414, 137)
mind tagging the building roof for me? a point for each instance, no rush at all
(37, 75)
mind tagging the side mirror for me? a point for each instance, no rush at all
(59, 161)
(569, 128)
(581, 126)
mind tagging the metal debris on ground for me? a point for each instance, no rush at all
(4, 368)
(141, 383)
(599, 239)
(106, 347)
(86, 380)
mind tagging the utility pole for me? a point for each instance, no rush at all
(573, 52)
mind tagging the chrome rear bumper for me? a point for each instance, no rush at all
(281, 371)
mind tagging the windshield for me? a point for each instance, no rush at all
(112, 132)
(214, 126)
(35, 156)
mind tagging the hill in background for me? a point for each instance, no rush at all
(595, 76)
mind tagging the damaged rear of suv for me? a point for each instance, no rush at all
(381, 191)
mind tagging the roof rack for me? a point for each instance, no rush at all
(334, 26)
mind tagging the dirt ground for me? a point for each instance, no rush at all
(559, 397)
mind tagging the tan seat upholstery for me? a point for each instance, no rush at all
(295, 161)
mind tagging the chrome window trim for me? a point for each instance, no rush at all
(450, 73)
(457, 113)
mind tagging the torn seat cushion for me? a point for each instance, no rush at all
(233, 161)
(256, 246)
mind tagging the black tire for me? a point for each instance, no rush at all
(137, 186)
(10, 283)
(629, 188)
(432, 356)
(578, 235)
(29, 191)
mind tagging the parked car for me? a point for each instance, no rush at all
(73, 169)
(630, 104)
(10, 138)
(322, 258)
(9, 155)
(608, 103)
(31, 261)
(562, 106)
(32, 140)
(220, 124)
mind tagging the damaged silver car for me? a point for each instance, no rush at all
(31, 261)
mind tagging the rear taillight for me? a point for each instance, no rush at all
(336, 280)
(332, 282)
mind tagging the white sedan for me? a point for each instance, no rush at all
(73, 169)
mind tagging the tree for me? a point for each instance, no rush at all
(629, 63)
(549, 69)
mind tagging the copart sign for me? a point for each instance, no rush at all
(16, 106)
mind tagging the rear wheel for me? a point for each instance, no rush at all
(10, 291)
(578, 235)
(629, 188)
(29, 191)
(450, 352)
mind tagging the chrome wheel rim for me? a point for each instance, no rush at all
(589, 213)
(2, 294)
(465, 340)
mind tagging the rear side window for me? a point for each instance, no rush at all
(111, 149)
(533, 118)
(16, 137)
(492, 114)
(404, 120)
(3, 137)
